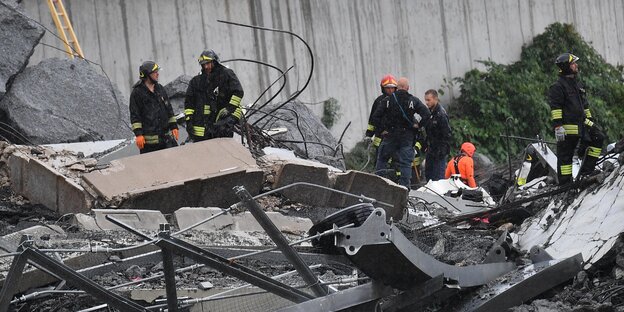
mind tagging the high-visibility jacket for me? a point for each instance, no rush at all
(211, 97)
(465, 165)
(151, 114)
(569, 106)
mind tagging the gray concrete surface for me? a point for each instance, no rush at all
(137, 219)
(42, 184)
(354, 42)
(193, 175)
(72, 103)
(19, 36)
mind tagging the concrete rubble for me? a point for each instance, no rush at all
(302, 125)
(19, 36)
(100, 113)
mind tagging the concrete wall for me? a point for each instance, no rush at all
(354, 42)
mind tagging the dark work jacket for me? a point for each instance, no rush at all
(209, 94)
(438, 134)
(150, 112)
(568, 103)
(396, 113)
(370, 130)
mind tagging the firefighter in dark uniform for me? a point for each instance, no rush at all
(388, 85)
(213, 100)
(572, 120)
(395, 123)
(151, 114)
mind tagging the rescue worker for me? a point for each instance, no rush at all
(572, 120)
(395, 123)
(438, 131)
(213, 100)
(463, 165)
(151, 114)
(388, 85)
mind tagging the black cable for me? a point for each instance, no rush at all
(297, 93)
(282, 75)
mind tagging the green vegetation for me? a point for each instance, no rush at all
(330, 112)
(516, 95)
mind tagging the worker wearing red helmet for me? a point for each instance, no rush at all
(463, 165)
(388, 85)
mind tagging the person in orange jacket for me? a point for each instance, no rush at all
(463, 165)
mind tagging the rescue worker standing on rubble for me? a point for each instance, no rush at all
(463, 165)
(388, 85)
(151, 114)
(572, 120)
(438, 131)
(213, 100)
(395, 123)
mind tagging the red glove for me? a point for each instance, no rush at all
(175, 133)
(140, 141)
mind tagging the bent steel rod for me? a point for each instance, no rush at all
(276, 235)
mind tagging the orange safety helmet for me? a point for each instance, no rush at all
(468, 148)
(388, 81)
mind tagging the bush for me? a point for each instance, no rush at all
(515, 96)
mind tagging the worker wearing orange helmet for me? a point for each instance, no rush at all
(388, 85)
(151, 114)
(463, 165)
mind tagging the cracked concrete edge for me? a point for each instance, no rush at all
(42, 184)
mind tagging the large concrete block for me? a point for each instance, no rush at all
(294, 171)
(373, 186)
(42, 184)
(246, 222)
(17, 166)
(71, 197)
(73, 102)
(19, 36)
(193, 175)
(188, 216)
(138, 219)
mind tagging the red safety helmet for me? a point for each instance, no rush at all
(388, 81)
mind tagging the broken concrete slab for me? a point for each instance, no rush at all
(590, 224)
(10, 242)
(72, 103)
(138, 219)
(193, 175)
(372, 186)
(303, 171)
(239, 222)
(85, 222)
(87, 149)
(295, 225)
(188, 216)
(42, 184)
(19, 36)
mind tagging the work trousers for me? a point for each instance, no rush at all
(435, 167)
(589, 150)
(399, 145)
